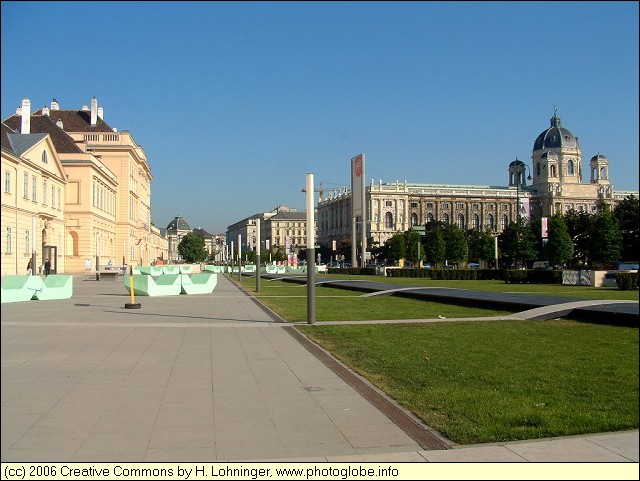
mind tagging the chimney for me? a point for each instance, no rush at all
(101, 112)
(54, 105)
(85, 107)
(60, 124)
(26, 117)
(94, 111)
(45, 110)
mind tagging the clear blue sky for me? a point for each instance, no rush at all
(234, 102)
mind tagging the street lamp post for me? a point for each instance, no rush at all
(521, 168)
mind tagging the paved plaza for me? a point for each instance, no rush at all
(205, 378)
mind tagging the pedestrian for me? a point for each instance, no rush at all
(47, 267)
(29, 267)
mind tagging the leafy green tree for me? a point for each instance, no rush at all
(559, 248)
(481, 245)
(397, 247)
(434, 245)
(191, 248)
(413, 241)
(605, 239)
(456, 248)
(626, 212)
(579, 226)
(516, 244)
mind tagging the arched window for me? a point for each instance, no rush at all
(476, 221)
(570, 169)
(603, 173)
(445, 218)
(461, 221)
(429, 217)
(491, 222)
(538, 169)
(504, 222)
(44, 157)
(552, 170)
(414, 219)
(388, 220)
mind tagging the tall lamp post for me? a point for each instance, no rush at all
(521, 169)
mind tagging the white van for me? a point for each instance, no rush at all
(542, 265)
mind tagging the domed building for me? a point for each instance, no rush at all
(553, 183)
(557, 174)
(176, 230)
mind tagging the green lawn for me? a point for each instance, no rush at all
(481, 381)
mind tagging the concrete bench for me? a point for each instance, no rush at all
(56, 286)
(112, 275)
(20, 288)
(145, 285)
(198, 283)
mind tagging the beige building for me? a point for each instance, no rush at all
(107, 189)
(283, 228)
(554, 184)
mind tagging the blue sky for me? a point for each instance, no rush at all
(234, 102)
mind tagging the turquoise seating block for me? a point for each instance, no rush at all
(186, 269)
(145, 285)
(198, 283)
(296, 270)
(170, 269)
(150, 270)
(56, 286)
(249, 268)
(214, 269)
(20, 288)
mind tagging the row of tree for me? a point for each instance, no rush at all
(575, 239)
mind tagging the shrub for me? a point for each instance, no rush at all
(627, 281)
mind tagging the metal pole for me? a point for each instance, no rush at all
(258, 255)
(364, 214)
(354, 240)
(311, 253)
(33, 244)
(239, 257)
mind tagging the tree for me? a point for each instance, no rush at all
(414, 250)
(626, 212)
(481, 245)
(397, 248)
(191, 248)
(605, 239)
(516, 244)
(559, 248)
(456, 248)
(434, 246)
(578, 226)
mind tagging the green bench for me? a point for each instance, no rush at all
(198, 283)
(56, 286)
(20, 288)
(145, 285)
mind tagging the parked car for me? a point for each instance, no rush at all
(473, 265)
(546, 265)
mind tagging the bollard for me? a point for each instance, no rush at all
(132, 304)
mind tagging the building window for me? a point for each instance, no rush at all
(44, 157)
(388, 220)
(34, 189)
(429, 217)
(460, 205)
(414, 204)
(429, 205)
(570, 167)
(27, 241)
(476, 221)
(475, 206)
(388, 203)
(414, 219)
(552, 170)
(9, 240)
(445, 218)
(44, 193)
(26, 186)
(504, 222)
(491, 223)
(445, 205)
(461, 221)
(7, 182)
(538, 168)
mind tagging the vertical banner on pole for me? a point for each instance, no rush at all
(311, 241)
(358, 206)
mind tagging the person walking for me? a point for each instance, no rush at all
(47, 267)
(29, 267)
